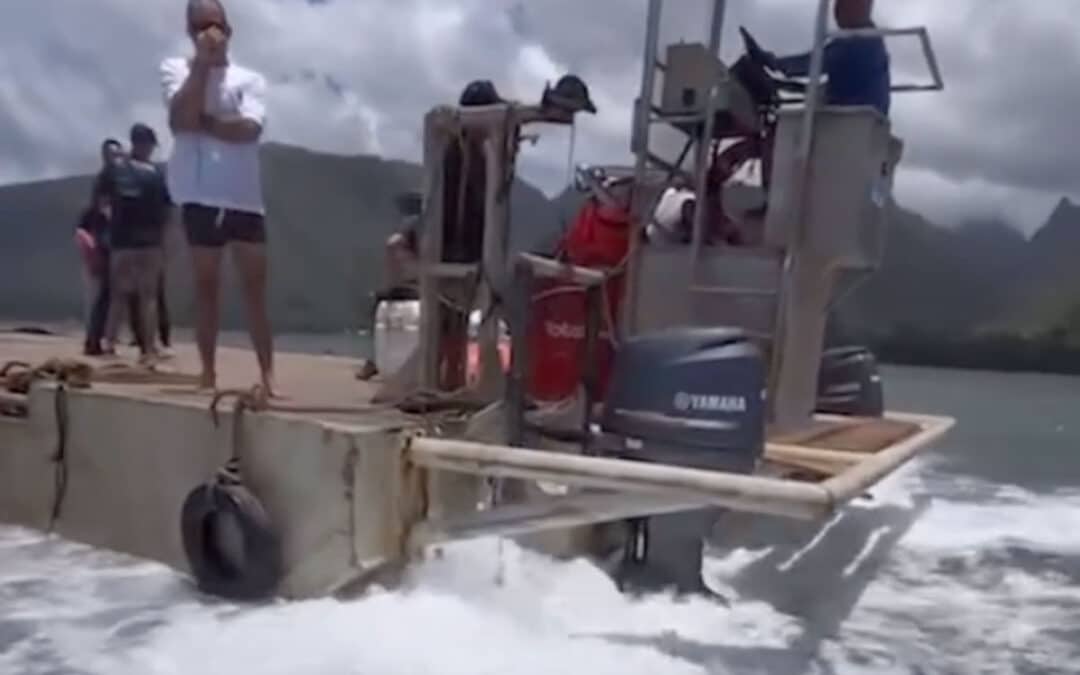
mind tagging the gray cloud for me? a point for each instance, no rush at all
(357, 76)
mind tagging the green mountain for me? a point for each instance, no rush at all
(329, 216)
(977, 280)
(949, 281)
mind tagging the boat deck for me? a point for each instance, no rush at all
(323, 387)
(851, 435)
(347, 491)
(305, 381)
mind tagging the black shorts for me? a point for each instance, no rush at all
(215, 227)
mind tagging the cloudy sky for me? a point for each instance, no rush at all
(353, 76)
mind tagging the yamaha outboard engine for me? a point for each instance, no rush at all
(849, 383)
(692, 397)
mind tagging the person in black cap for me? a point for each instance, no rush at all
(140, 207)
(143, 144)
(403, 247)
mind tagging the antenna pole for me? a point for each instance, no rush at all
(639, 145)
(704, 143)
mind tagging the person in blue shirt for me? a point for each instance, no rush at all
(857, 67)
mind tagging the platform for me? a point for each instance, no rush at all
(305, 380)
(354, 488)
(134, 450)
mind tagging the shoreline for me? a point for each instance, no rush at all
(1018, 357)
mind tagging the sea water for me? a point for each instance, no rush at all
(967, 561)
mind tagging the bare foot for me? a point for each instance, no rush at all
(207, 382)
(269, 388)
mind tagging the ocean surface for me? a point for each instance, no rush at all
(968, 561)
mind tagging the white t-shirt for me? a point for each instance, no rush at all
(669, 214)
(206, 170)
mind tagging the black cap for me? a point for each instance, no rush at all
(480, 92)
(142, 134)
(571, 94)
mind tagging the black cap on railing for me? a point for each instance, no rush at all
(570, 94)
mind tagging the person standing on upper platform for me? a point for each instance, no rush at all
(217, 112)
(857, 67)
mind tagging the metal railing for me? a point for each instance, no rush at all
(645, 116)
(797, 214)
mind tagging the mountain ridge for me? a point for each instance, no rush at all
(329, 214)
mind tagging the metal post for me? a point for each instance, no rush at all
(594, 303)
(798, 205)
(704, 146)
(517, 383)
(494, 251)
(639, 144)
(431, 245)
(813, 98)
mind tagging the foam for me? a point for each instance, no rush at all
(450, 617)
(101, 613)
(1007, 515)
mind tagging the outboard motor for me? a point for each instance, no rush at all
(849, 383)
(693, 397)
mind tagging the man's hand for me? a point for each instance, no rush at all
(210, 47)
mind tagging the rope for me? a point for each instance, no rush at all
(60, 474)
(11, 365)
(229, 474)
(256, 400)
(17, 376)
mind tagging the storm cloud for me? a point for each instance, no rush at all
(353, 76)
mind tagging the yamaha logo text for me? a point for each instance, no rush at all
(709, 403)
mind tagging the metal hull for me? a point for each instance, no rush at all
(354, 492)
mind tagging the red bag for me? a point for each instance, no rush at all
(599, 238)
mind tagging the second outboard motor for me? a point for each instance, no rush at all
(692, 397)
(849, 383)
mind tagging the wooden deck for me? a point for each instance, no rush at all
(851, 435)
(314, 382)
(366, 470)
(304, 380)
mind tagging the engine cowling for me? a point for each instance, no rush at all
(849, 383)
(690, 396)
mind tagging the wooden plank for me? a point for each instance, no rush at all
(867, 436)
(865, 474)
(858, 435)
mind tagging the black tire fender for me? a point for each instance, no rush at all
(230, 543)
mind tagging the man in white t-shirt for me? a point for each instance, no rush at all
(217, 113)
(673, 219)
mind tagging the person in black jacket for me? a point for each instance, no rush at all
(95, 221)
(140, 206)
